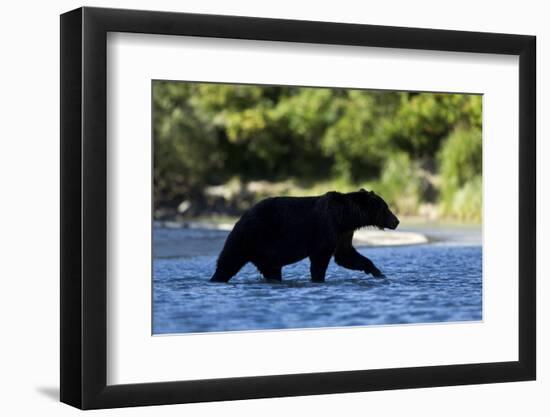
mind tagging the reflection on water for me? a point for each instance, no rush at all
(425, 284)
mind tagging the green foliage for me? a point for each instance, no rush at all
(460, 168)
(400, 183)
(466, 203)
(356, 140)
(423, 120)
(185, 143)
(207, 134)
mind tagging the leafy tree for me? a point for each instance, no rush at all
(208, 134)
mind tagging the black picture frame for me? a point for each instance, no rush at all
(84, 207)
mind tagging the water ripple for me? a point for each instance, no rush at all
(424, 284)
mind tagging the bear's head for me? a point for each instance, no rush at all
(361, 209)
(377, 212)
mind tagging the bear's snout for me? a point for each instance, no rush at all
(393, 221)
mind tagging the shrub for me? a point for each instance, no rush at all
(400, 184)
(467, 201)
(460, 162)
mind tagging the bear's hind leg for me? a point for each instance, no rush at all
(220, 276)
(271, 273)
(227, 268)
(318, 266)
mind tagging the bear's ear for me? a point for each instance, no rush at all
(365, 191)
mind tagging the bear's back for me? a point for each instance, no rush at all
(276, 212)
(280, 229)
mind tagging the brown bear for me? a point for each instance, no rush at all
(280, 231)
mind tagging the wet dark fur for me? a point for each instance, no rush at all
(283, 230)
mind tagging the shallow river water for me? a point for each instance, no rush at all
(434, 282)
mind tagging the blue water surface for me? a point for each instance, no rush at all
(425, 283)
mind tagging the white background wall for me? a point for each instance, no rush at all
(29, 177)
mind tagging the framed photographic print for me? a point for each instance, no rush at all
(257, 207)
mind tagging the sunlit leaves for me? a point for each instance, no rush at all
(207, 133)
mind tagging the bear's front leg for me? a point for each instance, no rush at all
(372, 269)
(318, 266)
(349, 258)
